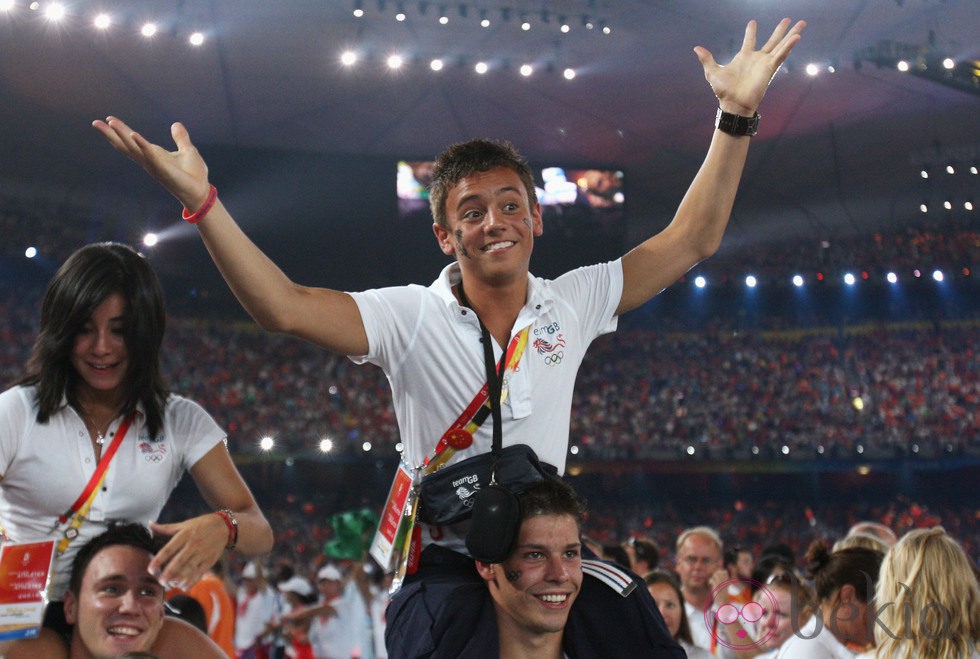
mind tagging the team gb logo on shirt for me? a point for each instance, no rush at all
(549, 341)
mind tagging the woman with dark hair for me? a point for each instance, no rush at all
(665, 588)
(844, 585)
(92, 422)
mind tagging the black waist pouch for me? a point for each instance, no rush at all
(446, 495)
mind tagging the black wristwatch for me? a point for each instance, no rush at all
(735, 124)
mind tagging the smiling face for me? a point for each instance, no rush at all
(119, 606)
(534, 589)
(99, 354)
(491, 225)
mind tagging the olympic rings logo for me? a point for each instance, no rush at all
(554, 358)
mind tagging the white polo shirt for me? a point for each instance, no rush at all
(45, 467)
(814, 641)
(429, 347)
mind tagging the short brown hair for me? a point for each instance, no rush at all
(464, 159)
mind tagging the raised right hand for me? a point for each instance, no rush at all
(182, 172)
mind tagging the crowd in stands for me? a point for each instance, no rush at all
(951, 244)
(875, 392)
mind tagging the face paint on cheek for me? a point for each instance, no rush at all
(512, 575)
(459, 244)
(527, 221)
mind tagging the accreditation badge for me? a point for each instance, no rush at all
(397, 518)
(25, 572)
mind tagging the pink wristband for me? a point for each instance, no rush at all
(199, 214)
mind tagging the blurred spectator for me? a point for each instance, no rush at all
(787, 602)
(844, 583)
(644, 554)
(699, 557)
(927, 574)
(739, 563)
(219, 609)
(256, 607)
(665, 588)
(339, 622)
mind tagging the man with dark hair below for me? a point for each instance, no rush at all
(520, 606)
(428, 340)
(534, 588)
(116, 607)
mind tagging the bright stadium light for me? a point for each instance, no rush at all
(395, 61)
(55, 12)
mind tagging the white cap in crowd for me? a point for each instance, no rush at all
(251, 571)
(329, 572)
(297, 585)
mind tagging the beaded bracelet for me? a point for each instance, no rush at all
(199, 214)
(228, 517)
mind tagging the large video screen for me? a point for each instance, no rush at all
(572, 199)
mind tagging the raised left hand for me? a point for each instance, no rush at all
(741, 84)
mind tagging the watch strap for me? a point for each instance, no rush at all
(736, 124)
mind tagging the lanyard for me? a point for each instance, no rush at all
(459, 436)
(80, 508)
(495, 378)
